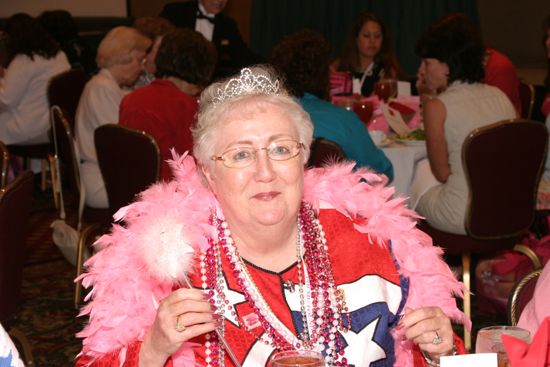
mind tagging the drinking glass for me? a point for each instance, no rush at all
(386, 89)
(297, 358)
(489, 341)
(364, 110)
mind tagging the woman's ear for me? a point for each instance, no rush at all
(206, 176)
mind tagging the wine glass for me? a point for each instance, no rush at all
(364, 110)
(386, 89)
(297, 358)
(489, 340)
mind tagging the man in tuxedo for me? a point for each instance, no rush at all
(205, 17)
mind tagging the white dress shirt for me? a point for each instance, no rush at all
(204, 26)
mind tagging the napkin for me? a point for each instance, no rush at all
(537, 354)
(395, 120)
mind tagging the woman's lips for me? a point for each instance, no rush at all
(266, 196)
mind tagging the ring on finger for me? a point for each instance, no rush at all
(437, 339)
(179, 326)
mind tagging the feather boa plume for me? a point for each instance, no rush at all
(138, 265)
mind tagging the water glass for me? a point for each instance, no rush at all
(489, 340)
(297, 358)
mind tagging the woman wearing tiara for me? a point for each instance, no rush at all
(246, 254)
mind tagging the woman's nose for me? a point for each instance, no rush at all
(264, 166)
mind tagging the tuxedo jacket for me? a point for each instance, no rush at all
(232, 51)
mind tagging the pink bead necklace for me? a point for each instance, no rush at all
(322, 307)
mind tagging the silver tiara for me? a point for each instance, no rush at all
(246, 83)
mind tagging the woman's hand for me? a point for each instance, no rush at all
(183, 315)
(430, 329)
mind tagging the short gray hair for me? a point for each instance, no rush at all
(215, 105)
(118, 43)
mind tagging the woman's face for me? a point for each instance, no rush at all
(267, 192)
(129, 72)
(369, 39)
(433, 74)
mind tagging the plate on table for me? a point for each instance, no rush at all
(384, 143)
(411, 143)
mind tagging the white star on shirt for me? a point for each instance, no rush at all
(362, 348)
(234, 299)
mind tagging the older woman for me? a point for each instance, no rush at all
(248, 255)
(368, 53)
(120, 56)
(24, 117)
(166, 108)
(456, 103)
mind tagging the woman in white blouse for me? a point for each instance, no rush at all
(120, 56)
(24, 117)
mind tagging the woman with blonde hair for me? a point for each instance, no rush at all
(120, 57)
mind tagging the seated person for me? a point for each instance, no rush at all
(456, 103)
(368, 53)
(247, 254)
(62, 26)
(166, 108)
(501, 73)
(24, 109)
(155, 28)
(303, 58)
(206, 17)
(120, 57)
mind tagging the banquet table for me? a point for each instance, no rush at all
(404, 159)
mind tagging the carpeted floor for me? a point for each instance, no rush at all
(48, 316)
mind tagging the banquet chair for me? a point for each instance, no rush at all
(15, 207)
(66, 153)
(521, 294)
(4, 164)
(65, 89)
(503, 163)
(129, 161)
(323, 152)
(40, 151)
(527, 99)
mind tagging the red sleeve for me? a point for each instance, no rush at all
(112, 359)
(419, 360)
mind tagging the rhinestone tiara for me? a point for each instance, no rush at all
(246, 83)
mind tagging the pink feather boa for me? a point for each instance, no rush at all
(139, 265)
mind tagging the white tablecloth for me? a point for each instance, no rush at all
(404, 159)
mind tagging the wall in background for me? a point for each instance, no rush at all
(107, 8)
(515, 28)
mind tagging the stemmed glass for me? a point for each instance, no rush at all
(386, 89)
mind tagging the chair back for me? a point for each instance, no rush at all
(323, 152)
(65, 149)
(521, 294)
(65, 89)
(4, 164)
(503, 164)
(15, 207)
(129, 161)
(527, 99)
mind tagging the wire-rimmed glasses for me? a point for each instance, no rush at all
(244, 156)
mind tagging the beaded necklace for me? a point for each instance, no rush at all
(322, 306)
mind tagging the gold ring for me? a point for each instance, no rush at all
(179, 327)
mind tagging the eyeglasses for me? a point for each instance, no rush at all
(280, 150)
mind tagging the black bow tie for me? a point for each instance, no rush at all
(200, 15)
